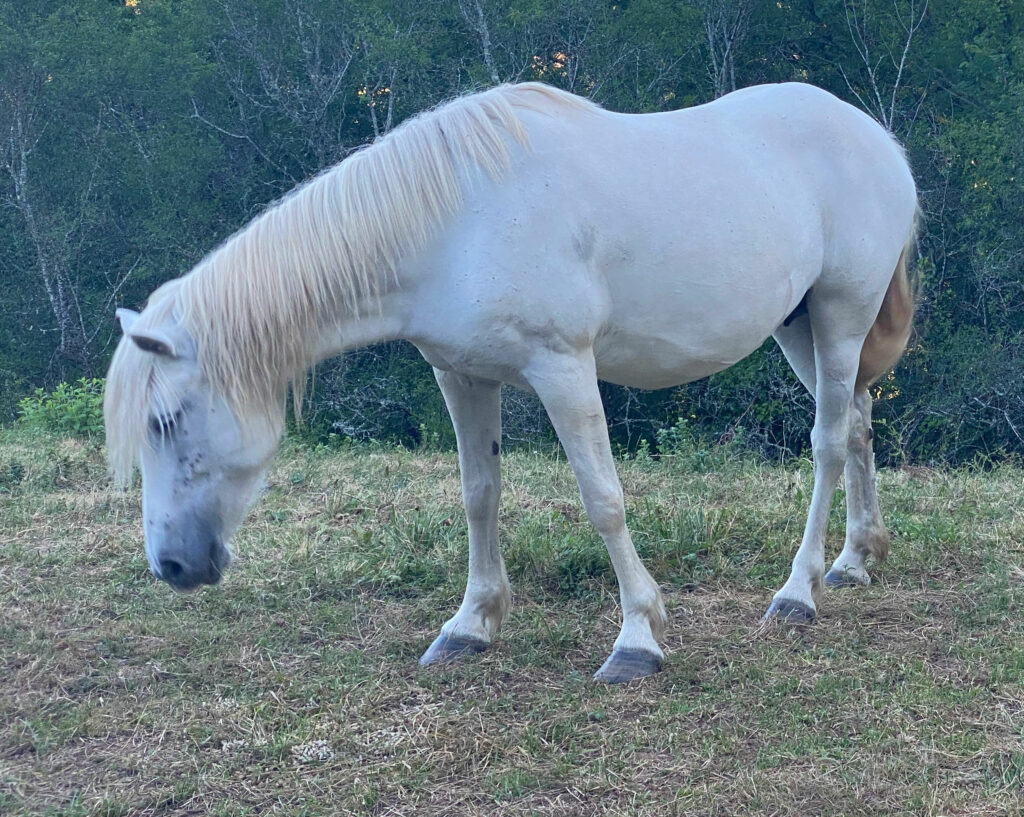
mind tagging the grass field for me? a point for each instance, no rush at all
(293, 687)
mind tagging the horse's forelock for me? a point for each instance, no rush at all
(128, 396)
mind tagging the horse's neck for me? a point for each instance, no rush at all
(376, 322)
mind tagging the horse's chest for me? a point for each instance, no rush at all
(487, 360)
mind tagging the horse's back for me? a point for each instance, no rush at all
(784, 146)
(674, 244)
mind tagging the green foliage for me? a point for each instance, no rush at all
(121, 179)
(679, 443)
(72, 409)
(384, 393)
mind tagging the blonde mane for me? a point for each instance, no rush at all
(255, 305)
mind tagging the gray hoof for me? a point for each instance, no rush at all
(843, 578)
(795, 612)
(626, 665)
(450, 648)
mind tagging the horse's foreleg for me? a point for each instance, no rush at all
(567, 386)
(475, 409)
(865, 531)
(836, 362)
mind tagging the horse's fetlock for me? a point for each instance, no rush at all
(489, 605)
(658, 618)
(648, 605)
(878, 544)
(818, 587)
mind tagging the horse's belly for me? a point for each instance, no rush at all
(656, 362)
(665, 330)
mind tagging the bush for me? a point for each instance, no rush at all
(72, 409)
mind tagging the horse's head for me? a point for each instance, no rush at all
(200, 466)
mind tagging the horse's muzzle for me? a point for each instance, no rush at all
(185, 570)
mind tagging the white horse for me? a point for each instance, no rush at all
(523, 235)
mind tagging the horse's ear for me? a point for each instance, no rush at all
(158, 343)
(126, 317)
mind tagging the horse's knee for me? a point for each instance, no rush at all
(606, 509)
(480, 497)
(829, 444)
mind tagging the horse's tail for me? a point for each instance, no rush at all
(891, 330)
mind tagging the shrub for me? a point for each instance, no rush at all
(72, 409)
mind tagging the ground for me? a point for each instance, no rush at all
(293, 687)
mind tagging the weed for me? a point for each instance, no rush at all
(75, 409)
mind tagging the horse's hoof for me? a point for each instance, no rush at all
(795, 612)
(448, 648)
(627, 665)
(845, 578)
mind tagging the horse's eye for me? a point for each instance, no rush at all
(164, 424)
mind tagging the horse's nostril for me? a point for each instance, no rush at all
(171, 570)
(220, 557)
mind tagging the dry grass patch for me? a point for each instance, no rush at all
(293, 688)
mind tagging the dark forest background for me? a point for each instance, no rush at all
(135, 135)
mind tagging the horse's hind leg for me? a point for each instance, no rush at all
(837, 341)
(475, 409)
(865, 531)
(567, 386)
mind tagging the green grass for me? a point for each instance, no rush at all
(293, 688)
